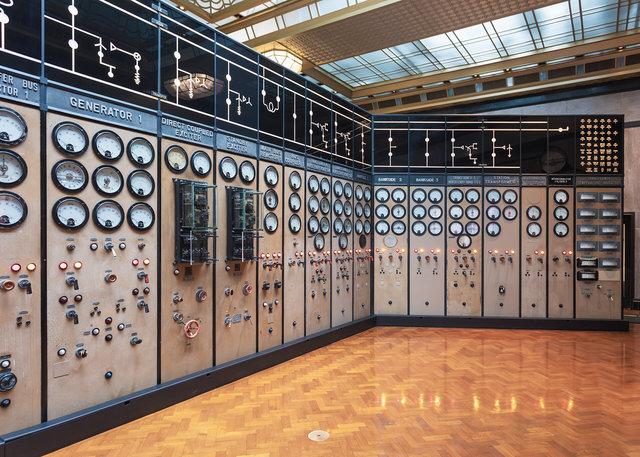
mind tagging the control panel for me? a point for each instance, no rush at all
(560, 252)
(533, 300)
(363, 257)
(342, 258)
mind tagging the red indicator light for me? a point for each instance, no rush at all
(535, 252)
(16, 267)
(63, 265)
(135, 262)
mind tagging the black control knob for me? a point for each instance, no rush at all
(5, 403)
(122, 246)
(62, 300)
(72, 315)
(177, 299)
(108, 320)
(555, 258)
(270, 329)
(277, 284)
(93, 246)
(146, 290)
(295, 323)
(143, 305)
(71, 281)
(7, 381)
(319, 317)
(135, 292)
(247, 316)
(71, 247)
(81, 353)
(227, 268)
(390, 302)
(464, 303)
(501, 289)
(141, 245)
(266, 285)
(108, 375)
(108, 337)
(121, 327)
(135, 340)
(201, 296)
(25, 284)
(228, 291)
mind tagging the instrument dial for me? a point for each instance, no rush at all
(338, 208)
(419, 195)
(108, 215)
(418, 212)
(348, 190)
(464, 241)
(382, 211)
(295, 224)
(435, 228)
(348, 209)
(313, 224)
(367, 194)
(359, 227)
(561, 229)
(13, 168)
(271, 222)
(107, 180)
(247, 172)
(510, 213)
(141, 216)
(534, 213)
(456, 195)
(367, 227)
(435, 212)
(398, 195)
(177, 160)
(271, 199)
(367, 210)
(338, 189)
(348, 226)
(473, 196)
(295, 181)
(140, 152)
(561, 197)
(382, 227)
(493, 196)
(418, 228)
(561, 213)
(325, 206)
(534, 229)
(313, 184)
(359, 210)
(338, 226)
(108, 145)
(472, 212)
(455, 228)
(295, 202)
(140, 184)
(318, 242)
(510, 196)
(70, 138)
(228, 168)
(201, 163)
(398, 211)
(271, 176)
(493, 229)
(69, 175)
(382, 195)
(313, 204)
(359, 192)
(13, 128)
(13, 210)
(435, 195)
(325, 226)
(472, 228)
(325, 186)
(343, 241)
(456, 212)
(493, 212)
(70, 213)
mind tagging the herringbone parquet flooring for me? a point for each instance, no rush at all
(413, 392)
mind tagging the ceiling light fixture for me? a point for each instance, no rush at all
(285, 58)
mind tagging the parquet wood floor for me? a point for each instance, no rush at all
(412, 392)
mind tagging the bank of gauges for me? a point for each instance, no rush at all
(177, 160)
(561, 213)
(271, 178)
(533, 228)
(295, 202)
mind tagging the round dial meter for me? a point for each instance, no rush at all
(338, 208)
(382, 227)
(343, 241)
(271, 176)
(418, 228)
(141, 216)
(325, 206)
(348, 226)
(69, 175)
(313, 183)
(464, 241)
(455, 228)
(382, 195)
(493, 212)
(367, 210)
(313, 204)
(13, 210)
(367, 227)
(13, 168)
(435, 212)
(493, 229)
(140, 152)
(70, 138)
(561, 213)
(367, 194)
(561, 229)
(456, 195)
(338, 226)
(177, 160)
(435, 195)
(561, 197)
(493, 196)
(108, 145)
(398, 195)
(294, 202)
(418, 212)
(270, 222)
(359, 192)
(338, 189)
(359, 227)
(108, 215)
(382, 211)
(295, 181)
(398, 211)
(348, 190)
(313, 224)
(534, 213)
(13, 128)
(107, 180)
(509, 213)
(472, 212)
(324, 225)
(247, 172)
(472, 228)
(456, 212)
(228, 168)
(510, 196)
(473, 196)
(359, 210)
(348, 209)
(318, 242)
(435, 228)
(70, 213)
(140, 184)
(325, 186)
(419, 195)
(200, 163)
(295, 224)
(271, 199)
(534, 229)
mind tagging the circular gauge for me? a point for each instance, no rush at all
(456, 212)
(338, 226)
(534, 213)
(493, 196)
(313, 204)
(343, 241)
(359, 192)
(69, 175)
(348, 226)
(419, 195)
(295, 224)
(435, 228)
(493, 212)
(561, 213)
(108, 215)
(108, 145)
(382, 211)
(359, 210)
(313, 183)
(177, 160)
(348, 209)
(418, 212)
(472, 212)
(367, 194)
(13, 128)
(295, 181)
(464, 241)
(228, 168)
(107, 180)
(348, 190)
(509, 213)
(510, 196)
(200, 163)
(390, 241)
(472, 196)
(270, 222)
(271, 199)
(382, 227)
(493, 229)
(367, 227)
(70, 213)
(295, 202)
(140, 184)
(456, 195)
(398, 195)
(141, 216)
(418, 228)
(362, 240)
(367, 210)
(338, 208)
(455, 228)
(359, 227)
(325, 186)
(561, 229)
(313, 224)
(271, 176)
(534, 229)
(247, 172)
(435, 195)
(324, 225)
(13, 168)
(338, 189)
(325, 206)
(561, 197)
(13, 210)
(70, 138)
(398, 211)
(140, 152)
(318, 242)
(435, 212)
(472, 228)
(382, 195)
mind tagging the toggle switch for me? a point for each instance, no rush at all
(71, 281)
(177, 299)
(143, 275)
(142, 304)
(72, 315)
(228, 291)
(81, 353)
(25, 284)
(109, 248)
(247, 289)
(277, 284)
(501, 289)
(135, 340)
(110, 277)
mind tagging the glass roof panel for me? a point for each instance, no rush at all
(329, 6)
(296, 16)
(265, 27)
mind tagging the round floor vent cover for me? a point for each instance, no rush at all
(318, 435)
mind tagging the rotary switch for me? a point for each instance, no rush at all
(201, 296)
(135, 340)
(7, 381)
(81, 353)
(247, 289)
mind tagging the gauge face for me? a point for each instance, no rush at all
(382, 211)
(418, 212)
(561, 213)
(419, 195)
(338, 226)
(382, 227)
(435, 195)
(295, 202)
(313, 224)
(359, 227)
(348, 209)
(70, 213)
(295, 224)
(493, 212)
(561, 197)
(359, 210)
(455, 228)
(325, 206)
(13, 210)
(367, 194)
(456, 195)
(348, 190)
(108, 145)
(561, 229)
(295, 181)
(435, 212)
(343, 241)
(271, 199)
(338, 208)
(108, 215)
(367, 210)
(338, 189)
(318, 242)
(348, 226)
(13, 168)
(141, 216)
(325, 186)
(271, 176)
(472, 228)
(69, 175)
(510, 196)
(435, 228)
(313, 204)
(359, 192)
(493, 229)
(107, 180)
(270, 222)
(509, 213)
(398, 227)
(228, 168)
(313, 183)
(382, 195)
(493, 196)
(464, 241)
(140, 152)
(534, 229)
(367, 227)
(418, 228)
(201, 163)
(13, 128)
(140, 184)
(472, 196)
(70, 138)
(362, 240)
(398, 195)
(456, 212)
(472, 212)
(176, 159)
(534, 213)
(398, 211)
(324, 225)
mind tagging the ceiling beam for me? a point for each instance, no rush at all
(309, 69)
(234, 9)
(263, 15)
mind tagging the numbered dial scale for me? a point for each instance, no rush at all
(108, 215)
(70, 213)
(271, 199)
(108, 145)
(200, 163)
(140, 152)
(228, 168)
(13, 128)
(70, 138)
(295, 181)
(271, 222)
(247, 172)
(107, 180)
(13, 210)
(176, 159)
(271, 176)
(141, 216)
(13, 168)
(295, 202)
(69, 175)
(295, 223)
(140, 184)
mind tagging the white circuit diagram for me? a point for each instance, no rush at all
(322, 126)
(4, 20)
(270, 105)
(238, 97)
